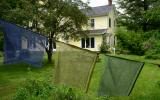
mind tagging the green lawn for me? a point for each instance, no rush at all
(12, 76)
(146, 87)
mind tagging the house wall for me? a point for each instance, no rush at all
(112, 15)
(98, 40)
(101, 22)
(112, 29)
(25, 43)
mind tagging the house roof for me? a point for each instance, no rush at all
(97, 32)
(98, 11)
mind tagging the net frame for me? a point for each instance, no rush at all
(86, 87)
(133, 81)
(19, 33)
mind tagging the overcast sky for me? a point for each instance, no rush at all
(94, 3)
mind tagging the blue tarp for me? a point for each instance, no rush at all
(22, 45)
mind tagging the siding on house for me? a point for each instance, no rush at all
(97, 40)
(112, 15)
(100, 23)
(101, 17)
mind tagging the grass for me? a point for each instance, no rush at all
(13, 75)
(147, 86)
(139, 58)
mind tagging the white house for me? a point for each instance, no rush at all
(101, 27)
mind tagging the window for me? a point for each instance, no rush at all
(92, 22)
(109, 22)
(83, 42)
(92, 42)
(87, 42)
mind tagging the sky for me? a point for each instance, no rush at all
(94, 3)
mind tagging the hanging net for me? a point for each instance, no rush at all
(74, 66)
(21, 45)
(119, 76)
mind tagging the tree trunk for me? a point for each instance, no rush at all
(49, 57)
(49, 50)
(145, 9)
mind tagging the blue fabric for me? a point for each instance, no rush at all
(21, 45)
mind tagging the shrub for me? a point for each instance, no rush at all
(34, 89)
(43, 90)
(152, 45)
(104, 48)
(130, 41)
(154, 51)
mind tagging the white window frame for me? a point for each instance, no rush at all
(86, 43)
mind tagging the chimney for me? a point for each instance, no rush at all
(109, 2)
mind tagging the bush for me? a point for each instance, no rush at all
(34, 89)
(154, 51)
(152, 45)
(104, 48)
(43, 90)
(130, 41)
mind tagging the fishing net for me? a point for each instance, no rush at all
(21, 45)
(119, 76)
(75, 66)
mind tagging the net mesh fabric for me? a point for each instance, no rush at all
(74, 66)
(119, 76)
(21, 45)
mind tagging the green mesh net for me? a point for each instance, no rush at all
(75, 66)
(119, 76)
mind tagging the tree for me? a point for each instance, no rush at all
(63, 19)
(129, 41)
(134, 15)
(55, 18)
(142, 17)
(153, 16)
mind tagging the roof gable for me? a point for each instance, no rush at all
(98, 11)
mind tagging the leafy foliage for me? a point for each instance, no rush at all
(153, 16)
(130, 41)
(139, 14)
(154, 51)
(35, 89)
(142, 17)
(104, 48)
(55, 18)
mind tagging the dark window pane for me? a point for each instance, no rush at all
(92, 22)
(83, 43)
(109, 22)
(87, 43)
(92, 42)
